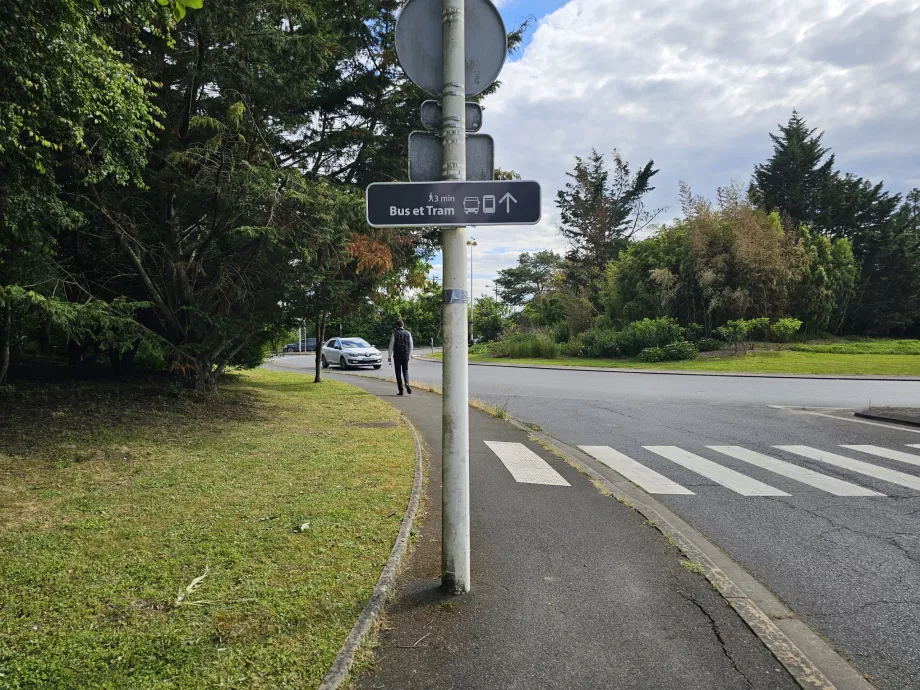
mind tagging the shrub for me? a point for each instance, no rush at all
(676, 352)
(526, 346)
(759, 329)
(575, 347)
(600, 343)
(709, 345)
(784, 330)
(648, 333)
(561, 332)
(652, 354)
(693, 332)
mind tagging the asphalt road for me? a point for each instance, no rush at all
(847, 565)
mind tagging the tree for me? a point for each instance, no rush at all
(529, 279)
(489, 318)
(601, 215)
(245, 214)
(889, 291)
(744, 260)
(823, 297)
(799, 176)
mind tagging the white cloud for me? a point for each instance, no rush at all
(697, 86)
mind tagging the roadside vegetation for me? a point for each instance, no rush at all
(155, 539)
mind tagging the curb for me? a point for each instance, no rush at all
(341, 667)
(806, 656)
(666, 372)
(891, 418)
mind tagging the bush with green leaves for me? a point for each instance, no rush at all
(647, 333)
(709, 345)
(784, 330)
(561, 332)
(693, 332)
(526, 346)
(599, 342)
(676, 352)
(652, 354)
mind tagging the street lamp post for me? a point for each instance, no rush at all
(471, 243)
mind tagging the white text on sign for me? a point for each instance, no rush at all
(429, 211)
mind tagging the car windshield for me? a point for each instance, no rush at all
(354, 343)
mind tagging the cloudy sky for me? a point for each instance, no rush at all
(697, 86)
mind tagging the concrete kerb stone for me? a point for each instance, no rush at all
(667, 372)
(807, 657)
(341, 667)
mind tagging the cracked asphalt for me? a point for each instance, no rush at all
(848, 566)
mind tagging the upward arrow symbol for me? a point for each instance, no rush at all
(506, 200)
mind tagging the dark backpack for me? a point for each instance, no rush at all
(401, 342)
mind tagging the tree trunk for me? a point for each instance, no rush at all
(320, 338)
(7, 336)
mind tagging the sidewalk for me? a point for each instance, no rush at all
(570, 590)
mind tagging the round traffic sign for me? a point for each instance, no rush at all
(418, 44)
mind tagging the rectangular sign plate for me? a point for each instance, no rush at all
(425, 156)
(453, 204)
(431, 116)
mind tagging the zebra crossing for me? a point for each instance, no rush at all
(526, 467)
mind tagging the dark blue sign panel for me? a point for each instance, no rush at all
(447, 204)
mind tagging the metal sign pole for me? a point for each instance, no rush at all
(455, 491)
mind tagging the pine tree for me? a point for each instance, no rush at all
(798, 177)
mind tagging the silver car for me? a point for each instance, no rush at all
(351, 352)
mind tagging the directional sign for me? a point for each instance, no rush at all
(426, 154)
(431, 116)
(452, 204)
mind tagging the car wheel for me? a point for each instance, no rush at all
(342, 364)
(324, 362)
(377, 366)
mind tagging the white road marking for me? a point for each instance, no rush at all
(868, 469)
(898, 455)
(735, 481)
(831, 485)
(638, 474)
(844, 419)
(524, 465)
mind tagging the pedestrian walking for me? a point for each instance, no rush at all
(401, 350)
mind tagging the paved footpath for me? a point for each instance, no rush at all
(570, 588)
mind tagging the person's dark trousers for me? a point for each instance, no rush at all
(402, 371)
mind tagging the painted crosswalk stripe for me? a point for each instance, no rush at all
(728, 478)
(858, 466)
(831, 485)
(898, 455)
(524, 465)
(635, 472)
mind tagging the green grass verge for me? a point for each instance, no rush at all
(764, 362)
(287, 496)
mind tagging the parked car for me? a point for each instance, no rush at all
(308, 345)
(351, 352)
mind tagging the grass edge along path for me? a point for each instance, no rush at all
(756, 362)
(157, 542)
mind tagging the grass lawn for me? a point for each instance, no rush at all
(284, 496)
(758, 361)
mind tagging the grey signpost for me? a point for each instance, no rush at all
(452, 49)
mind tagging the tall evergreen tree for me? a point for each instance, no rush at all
(798, 177)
